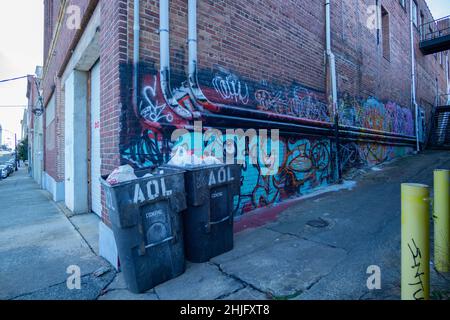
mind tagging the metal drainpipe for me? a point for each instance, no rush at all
(164, 46)
(136, 44)
(192, 39)
(193, 56)
(164, 53)
(413, 77)
(332, 69)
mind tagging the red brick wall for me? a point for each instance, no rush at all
(283, 42)
(54, 138)
(55, 62)
(113, 54)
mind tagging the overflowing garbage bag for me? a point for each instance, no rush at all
(121, 174)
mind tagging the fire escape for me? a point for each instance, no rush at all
(440, 124)
(435, 38)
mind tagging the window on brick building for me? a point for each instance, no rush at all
(403, 3)
(414, 12)
(385, 33)
(422, 20)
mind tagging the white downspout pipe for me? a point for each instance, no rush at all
(331, 57)
(413, 77)
(333, 83)
(193, 54)
(136, 48)
(164, 56)
(192, 37)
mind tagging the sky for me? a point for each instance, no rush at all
(439, 8)
(21, 50)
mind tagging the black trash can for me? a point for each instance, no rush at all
(208, 220)
(146, 218)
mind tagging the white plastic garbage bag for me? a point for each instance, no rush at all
(183, 158)
(211, 161)
(121, 174)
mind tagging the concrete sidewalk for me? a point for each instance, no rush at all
(37, 245)
(319, 248)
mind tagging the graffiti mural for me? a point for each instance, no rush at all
(305, 165)
(305, 162)
(361, 154)
(296, 101)
(151, 145)
(373, 114)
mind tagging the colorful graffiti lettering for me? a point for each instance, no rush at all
(305, 165)
(373, 114)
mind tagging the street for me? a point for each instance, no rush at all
(319, 248)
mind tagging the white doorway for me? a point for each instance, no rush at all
(95, 155)
(76, 171)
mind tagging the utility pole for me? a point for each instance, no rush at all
(15, 143)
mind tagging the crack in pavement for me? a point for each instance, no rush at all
(310, 240)
(103, 291)
(242, 282)
(230, 293)
(83, 277)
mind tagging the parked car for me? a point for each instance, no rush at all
(4, 172)
(10, 168)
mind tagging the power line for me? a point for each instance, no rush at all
(13, 79)
(13, 107)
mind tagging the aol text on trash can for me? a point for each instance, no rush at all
(155, 189)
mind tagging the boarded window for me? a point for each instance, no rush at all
(50, 111)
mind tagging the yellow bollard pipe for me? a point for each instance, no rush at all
(441, 219)
(415, 283)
